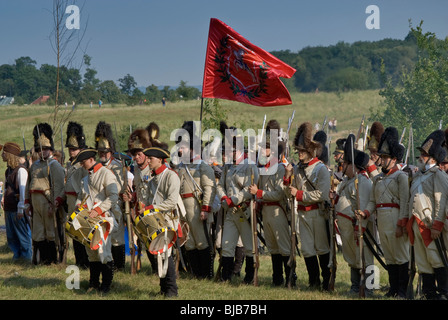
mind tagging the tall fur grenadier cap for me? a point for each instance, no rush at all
(433, 146)
(271, 125)
(321, 137)
(190, 136)
(376, 131)
(340, 143)
(304, 140)
(445, 145)
(390, 145)
(75, 136)
(361, 159)
(45, 140)
(104, 138)
(158, 148)
(139, 140)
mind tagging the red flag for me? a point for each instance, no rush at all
(237, 70)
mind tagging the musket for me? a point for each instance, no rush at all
(412, 271)
(253, 213)
(262, 134)
(324, 123)
(364, 141)
(290, 121)
(440, 245)
(361, 127)
(402, 135)
(292, 256)
(333, 264)
(362, 282)
(127, 208)
(62, 149)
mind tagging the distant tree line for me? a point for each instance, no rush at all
(24, 81)
(346, 66)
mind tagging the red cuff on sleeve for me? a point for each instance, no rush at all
(299, 195)
(229, 202)
(402, 222)
(98, 209)
(149, 207)
(206, 208)
(223, 198)
(367, 213)
(437, 225)
(260, 194)
(27, 201)
(58, 201)
(286, 182)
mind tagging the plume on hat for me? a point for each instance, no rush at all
(390, 144)
(303, 139)
(376, 131)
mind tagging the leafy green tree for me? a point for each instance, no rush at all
(127, 84)
(109, 92)
(421, 100)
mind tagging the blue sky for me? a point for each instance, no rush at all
(163, 42)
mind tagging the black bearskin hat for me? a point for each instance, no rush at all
(390, 145)
(75, 136)
(43, 136)
(104, 139)
(340, 143)
(321, 137)
(433, 145)
(361, 159)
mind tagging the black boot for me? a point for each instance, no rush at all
(153, 261)
(227, 268)
(250, 270)
(107, 270)
(393, 272)
(429, 286)
(119, 257)
(168, 285)
(288, 276)
(277, 269)
(205, 264)
(355, 279)
(312, 266)
(81, 258)
(193, 261)
(324, 260)
(95, 271)
(52, 253)
(403, 279)
(442, 282)
(239, 259)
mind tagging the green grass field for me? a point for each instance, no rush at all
(25, 282)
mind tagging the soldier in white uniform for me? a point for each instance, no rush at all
(99, 195)
(427, 227)
(389, 200)
(346, 206)
(197, 189)
(311, 188)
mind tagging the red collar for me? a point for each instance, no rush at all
(313, 161)
(394, 169)
(160, 170)
(144, 166)
(95, 168)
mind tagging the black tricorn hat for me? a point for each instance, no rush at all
(390, 145)
(321, 137)
(85, 154)
(43, 136)
(75, 136)
(104, 138)
(433, 145)
(157, 152)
